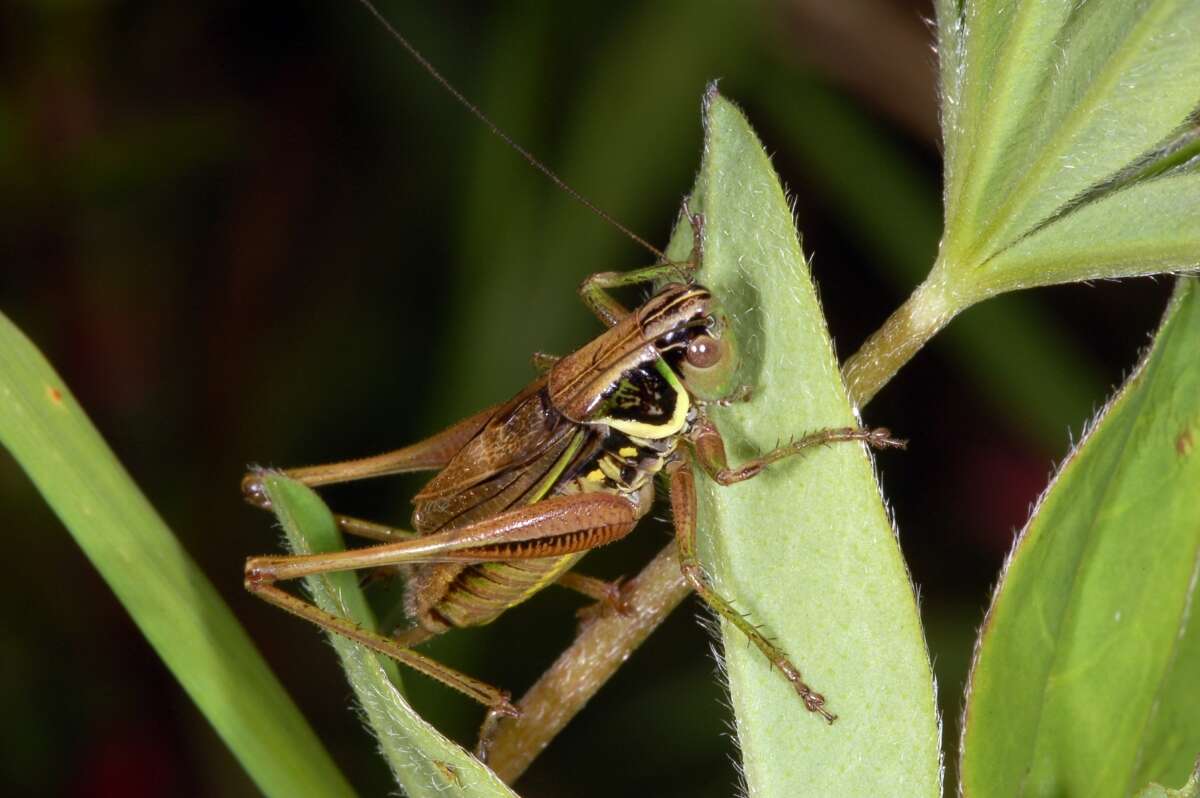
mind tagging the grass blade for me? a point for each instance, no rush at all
(1085, 679)
(171, 601)
(806, 548)
(425, 763)
(1189, 790)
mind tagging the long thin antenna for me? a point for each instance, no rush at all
(524, 153)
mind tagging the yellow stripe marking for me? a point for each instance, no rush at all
(641, 429)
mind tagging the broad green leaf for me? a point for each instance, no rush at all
(1147, 228)
(424, 762)
(1086, 678)
(1056, 97)
(1071, 132)
(171, 601)
(806, 548)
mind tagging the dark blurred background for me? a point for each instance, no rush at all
(257, 233)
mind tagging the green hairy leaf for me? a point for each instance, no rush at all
(806, 548)
(1085, 682)
(1071, 136)
(1055, 109)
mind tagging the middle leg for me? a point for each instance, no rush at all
(710, 448)
(683, 508)
(430, 454)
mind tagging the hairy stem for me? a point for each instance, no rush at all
(602, 645)
(922, 315)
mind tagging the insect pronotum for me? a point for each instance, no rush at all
(526, 487)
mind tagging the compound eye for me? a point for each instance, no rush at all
(704, 352)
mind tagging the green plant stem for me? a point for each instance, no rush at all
(923, 314)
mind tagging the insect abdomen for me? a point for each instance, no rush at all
(478, 594)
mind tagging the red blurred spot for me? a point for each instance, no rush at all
(999, 487)
(129, 763)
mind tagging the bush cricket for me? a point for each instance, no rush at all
(526, 487)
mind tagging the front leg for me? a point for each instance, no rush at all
(710, 448)
(594, 289)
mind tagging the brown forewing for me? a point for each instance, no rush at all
(578, 382)
(509, 456)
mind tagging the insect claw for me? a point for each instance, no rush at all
(503, 708)
(254, 491)
(614, 601)
(881, 438)
(815, 702)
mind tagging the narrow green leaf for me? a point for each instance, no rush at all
(1189, 790)
(1006, 49)
(1085, 681)
(171, 601)
(805, 548)
(951, 52)
(424, 762)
